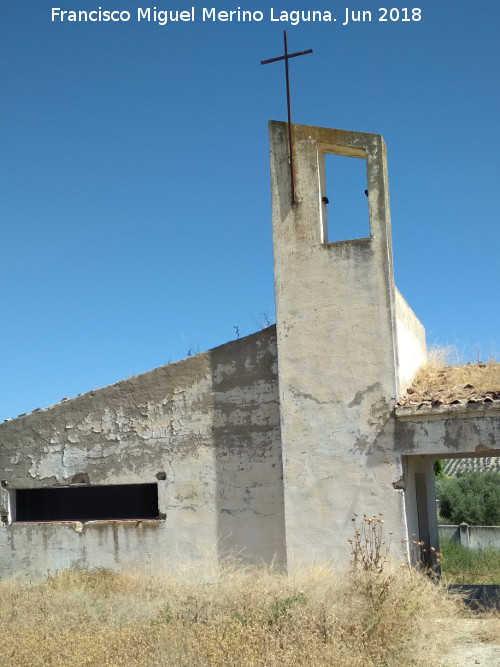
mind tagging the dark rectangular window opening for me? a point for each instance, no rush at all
(344, 199)
(88, 503)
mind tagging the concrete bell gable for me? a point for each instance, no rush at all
(266, 445)
(337, 318)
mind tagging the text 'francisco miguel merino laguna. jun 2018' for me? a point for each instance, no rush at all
(340, 16)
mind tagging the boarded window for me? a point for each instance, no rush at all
(88, 503)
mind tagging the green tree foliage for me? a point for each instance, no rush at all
(471, 497)
(439, 468)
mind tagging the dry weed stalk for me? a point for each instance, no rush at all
(368, 548)
(424, 557)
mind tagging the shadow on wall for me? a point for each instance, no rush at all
(246, 433)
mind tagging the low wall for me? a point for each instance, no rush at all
(472, 537)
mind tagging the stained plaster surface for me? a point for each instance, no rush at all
(449, 430)
(337, 349)
(205, 429)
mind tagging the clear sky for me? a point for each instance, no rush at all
(134, 176)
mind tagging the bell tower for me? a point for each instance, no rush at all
(339, 376)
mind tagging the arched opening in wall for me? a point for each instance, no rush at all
(467, 492)
(344, 198)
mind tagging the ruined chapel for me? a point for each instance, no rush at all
(268, 444)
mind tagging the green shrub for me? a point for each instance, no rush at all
(281, 607)
(439, 469)
(471, 497)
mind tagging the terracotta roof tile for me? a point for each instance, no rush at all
(454, 385)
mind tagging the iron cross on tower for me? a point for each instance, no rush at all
(286, 57)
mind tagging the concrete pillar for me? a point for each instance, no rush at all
(464, 535)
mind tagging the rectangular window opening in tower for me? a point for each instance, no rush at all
(344, 198)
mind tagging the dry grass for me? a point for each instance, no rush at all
(438, 380)
(243, 617)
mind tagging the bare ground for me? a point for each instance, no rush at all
(474, 643)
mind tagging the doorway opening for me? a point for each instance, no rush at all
(468, 516)
(453, 516)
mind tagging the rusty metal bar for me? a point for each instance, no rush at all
(286, 57)
(290, 145)
(290, 55)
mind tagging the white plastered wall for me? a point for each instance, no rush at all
(337, 349)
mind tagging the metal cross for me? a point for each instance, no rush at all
(286, 57)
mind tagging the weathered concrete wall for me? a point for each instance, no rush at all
(471, 537)
(208, 424)
(411, 348)
(449, 430)
(335, 319)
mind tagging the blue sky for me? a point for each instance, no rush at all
(135, 183)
